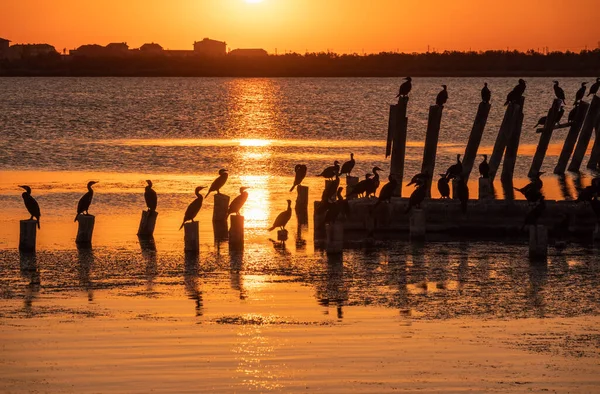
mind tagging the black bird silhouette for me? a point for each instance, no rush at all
(515, 94)
(534, 215)
(442, 96)
(219, 182)
(300, 170)
(422, 176)
(334, 209)
(486, 94)
(84, 202)
(561, 113)
(572, 114)
(580, 93)
(348, 166)
(283, 218)
(594, 87)
(462, 191)
(455, 170)
(531, 191)
(31, 204)
(387, 191)
(194, 207)
(238, 202)
(443, 186)
(362, 186)
(405, 88)
(559, 92)
(331, 171)
(328, 194)
(484, 168)
(373, 184)
(541, 121)
(417, 196)
(150, 197)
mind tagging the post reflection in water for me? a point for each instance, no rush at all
(190, 279)
(236, 261)
(397, 270)
(332, 290)
(31, 273)
(85, 260)
(148, 248)
(538, 277)
(564, 188)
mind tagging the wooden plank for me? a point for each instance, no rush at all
(475, 138)
(542, 148)
(585, 135)
(431, 142)
(571, 139)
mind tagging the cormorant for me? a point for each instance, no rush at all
(150, 197)
(405, 88)
(533, 216)
(328, 194)
(484, 168)
(443, 186)
(194, 207)
(541, 121)
(331, 171)
(219, 182)
(486, 94)
(561, 112)
(387, 191)
(537, 180)
(422, 176)
(580, 93)
(348, 166)
(362, 186)
(84, 202)
(531, 191)
(442, 96)
(417, 196)
(559, 92)
(455, 170)
(462, 191)
(334, 209)
(594, 87)
(284, 217)
(515, 94)
(31, 204)
(373, 184)
(238, 202)
(572, 114)
(300, 170)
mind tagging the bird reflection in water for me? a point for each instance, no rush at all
(236, 260)
(30, 272)
(190, 279)
(148, 248)
(85, 260)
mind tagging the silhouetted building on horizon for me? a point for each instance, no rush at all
(250, 52)
(20, 51)
(4, 44)
(210, 47)
(117, 48)
(151, 48)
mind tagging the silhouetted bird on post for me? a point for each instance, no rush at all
(238, 202)
(444, 186)
(594, 87)
(31, 204)
(486, 94)
(417, 196)
(348, 166)
(560, 114)
(328, 194)
(334, 209)
(283, 218)
(420, 177)
(300, 170)
(580, 93)
(362, 186)
(387, 191)
(455, 170)
(532, 191)
(150, 197)
(442, 96)
(534, 215)
(541, 121)
(484, 168)
(219, 182)
(373, 184)
(331, 171)
(405, 88)
(194, 207)
(84, 202)
(559, 92)
(572, 113)
(517, 92)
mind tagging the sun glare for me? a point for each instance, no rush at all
(253, 1)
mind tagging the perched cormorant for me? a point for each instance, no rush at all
(300, 170)
(387, 191)
(561, 113)
(194, 207)
(219, 182)
(238, 202)
(442, 96)
(348, 166)
(580, 93)
(484, 168)
(559, 92)
(417, 196)
(532, 191)
(328, 194)
(331, 171)
(537, 180)
(31, 204)
(462, 191)
(486, 94)
(541, 121)
(405, 88)
(455, 170)
(362, 186)
(515, 94)
(373, 184)
(594, 87)
(422, 176)
(533, 216)
(284, 217)
(443, 186)
(84, 202)
(572, 114)
(150, 197)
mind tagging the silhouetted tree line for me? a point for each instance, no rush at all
(385, 64)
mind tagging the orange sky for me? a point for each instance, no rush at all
(315, 25)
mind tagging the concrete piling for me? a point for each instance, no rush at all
(221, 207)
(236, 232)
(85, 229)
(147, 224)
(475, 138)
(431, 142)
(27, 235)
(508, 121)
(191, 236)
(585, 135)
(538, 242)
(485, 189)
(540, 152)
(397, 125)
(571, 139)
(335, 237)
(512, 145)
(417, 224)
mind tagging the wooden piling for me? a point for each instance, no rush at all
(282, 235)
(571, 139)
(27, 235)
(318, 222)
(335, 237)
(85, 229)
(417, 224)
(302, 197)
(485, 189)
(502, 138)
(431, 142)
(454, 188)
(191, 236)
(475, 138)
(220, 230)
(538, 242)
(540, 152)
(236, 232)
(595, 154)
(221, 207)
(512, 145)
(398, 139)
(147, 224)
(351, 181)
(585, 135)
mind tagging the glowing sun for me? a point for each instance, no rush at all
(253, 1)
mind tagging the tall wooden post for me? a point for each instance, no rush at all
(221, 207)
(502, 138)
(147, 223)
(397, 125)
(27, 235)
(318, 222)
(585, 135)
(302, 199)
(512, 146)
(540, 152)
(431, 142)
(191, 236)
(236, 232)
(595, 154)
(475, 138)
(85, 229)
(571, 139)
